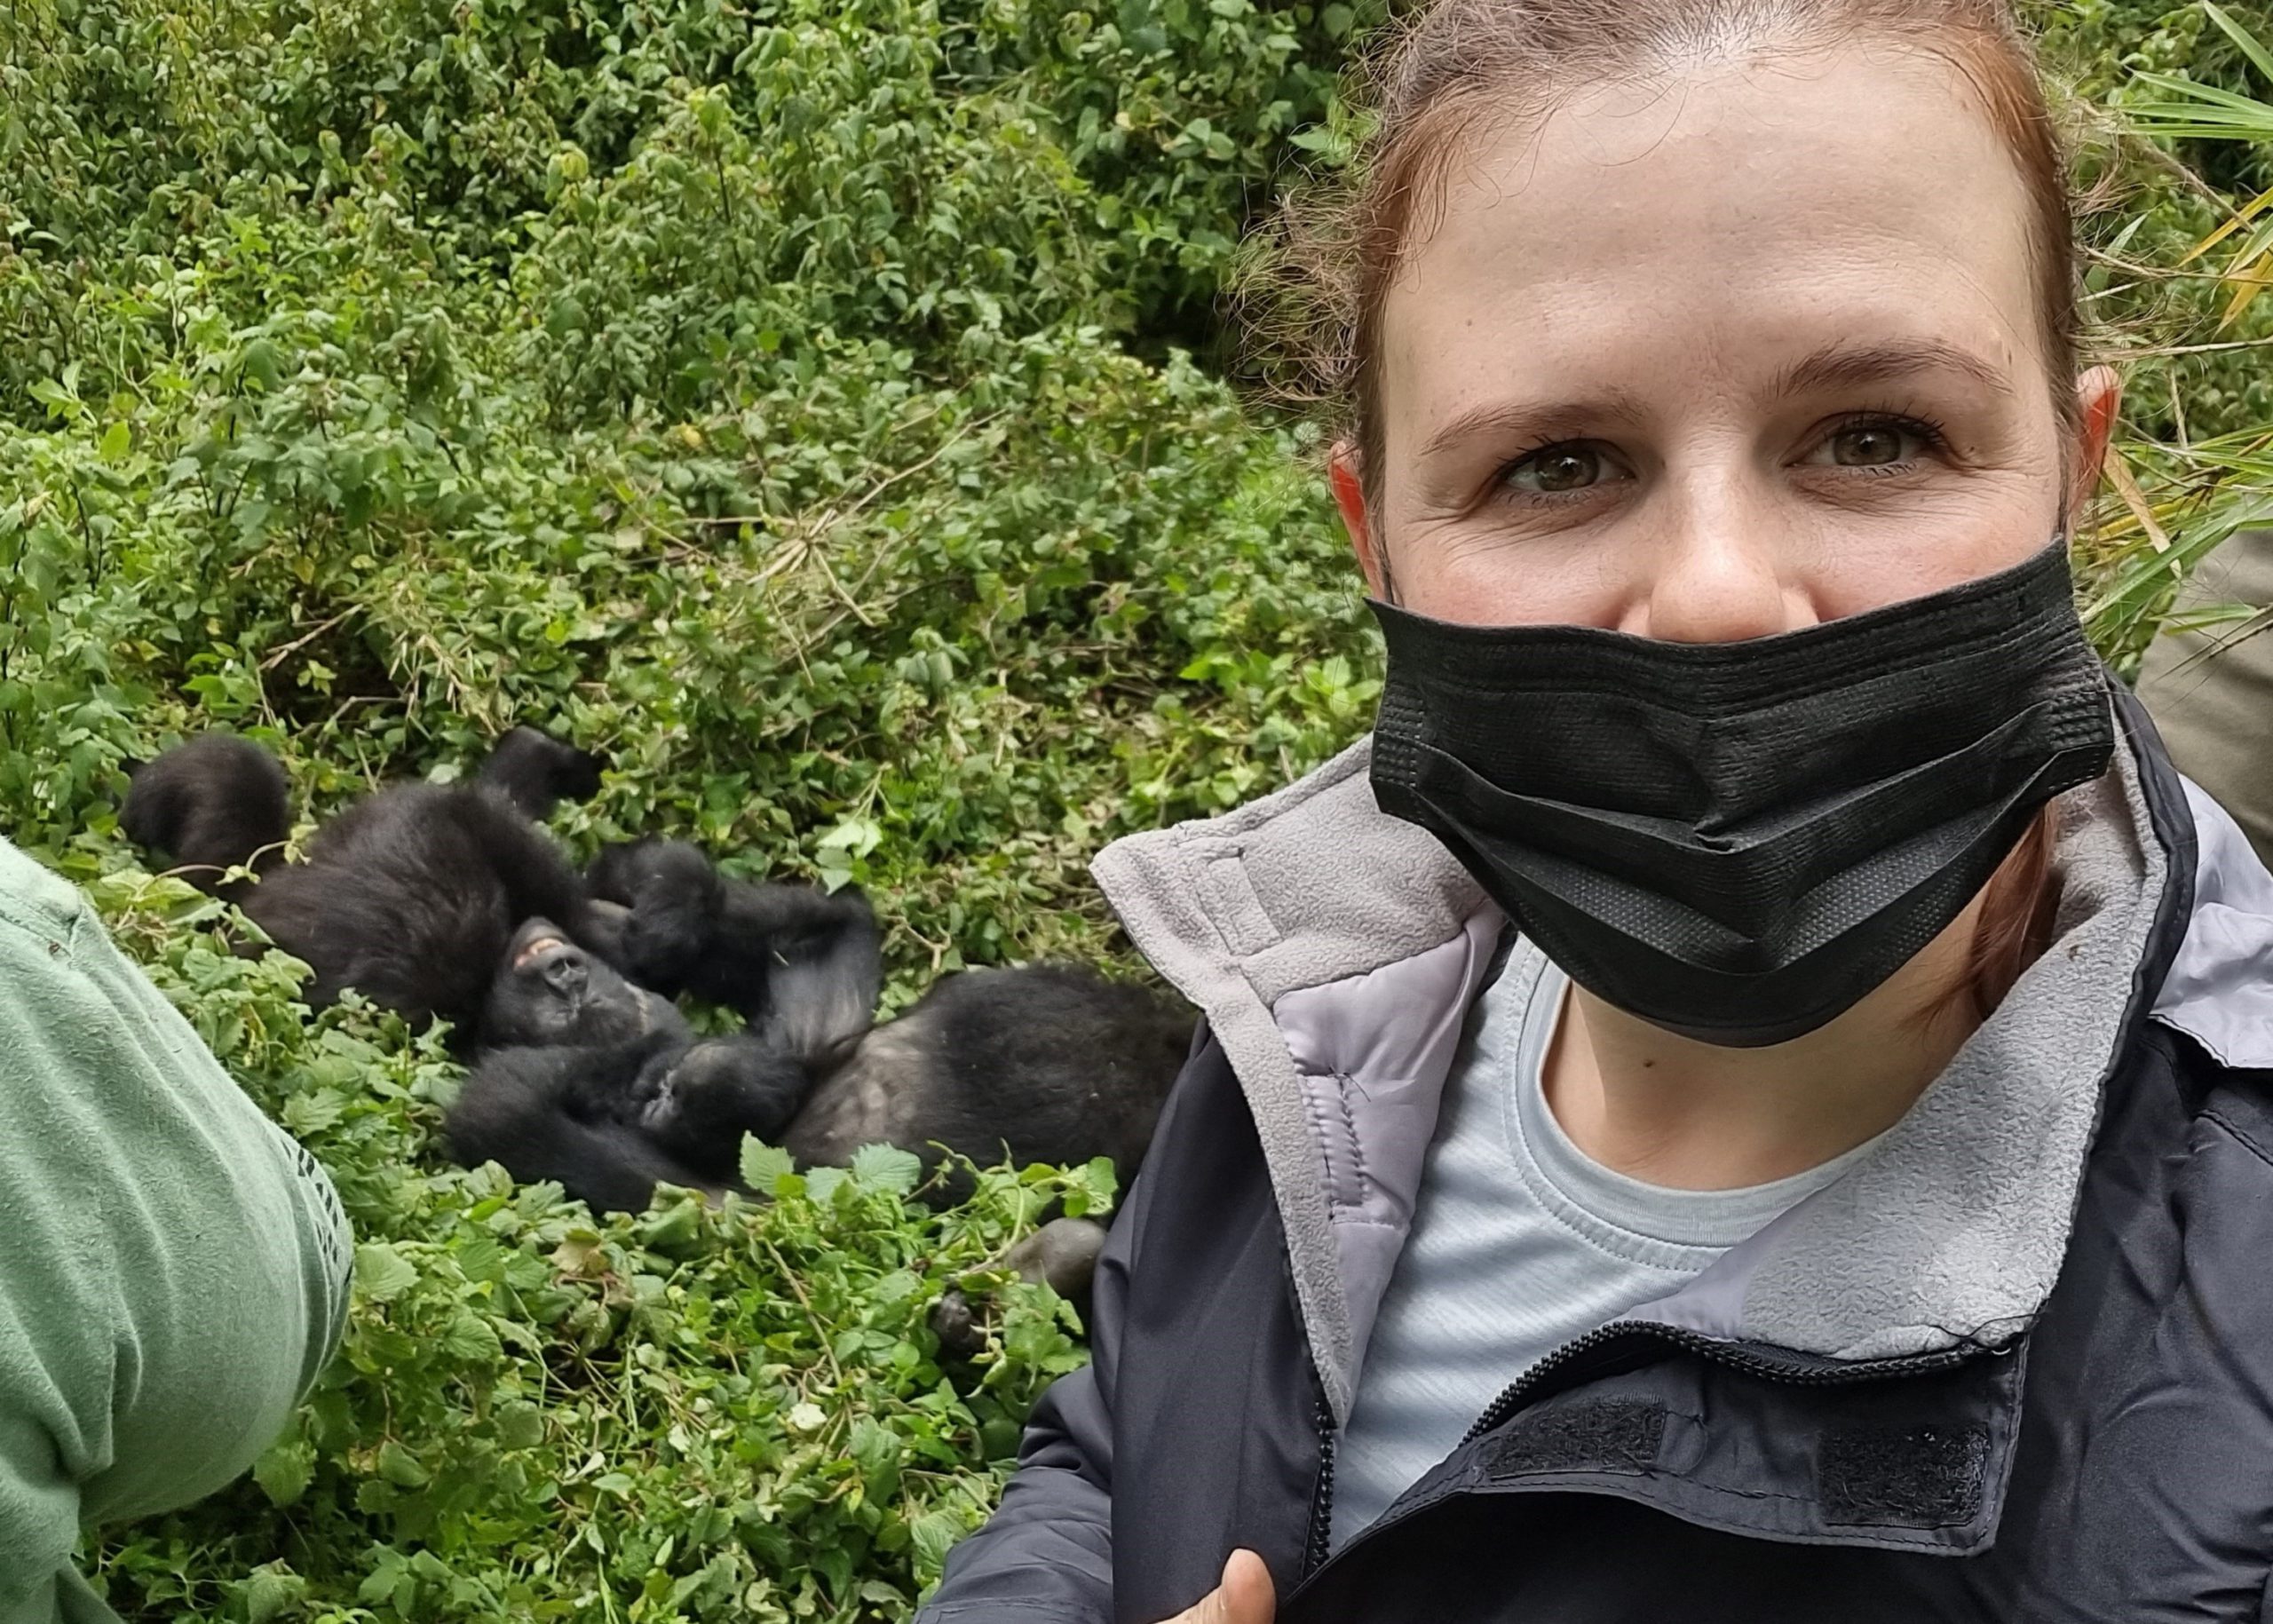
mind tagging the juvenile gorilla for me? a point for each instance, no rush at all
(591, 1077)
(600, 1084)
(592, 1086)
(411, 896)
(1049, 1063)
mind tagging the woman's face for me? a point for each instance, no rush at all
(1721, 356)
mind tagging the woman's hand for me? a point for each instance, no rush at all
(1244, 1597)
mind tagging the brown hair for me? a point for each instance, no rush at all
(1456, 68)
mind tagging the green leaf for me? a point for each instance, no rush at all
(856, 836)
(885, 1167)
(381, 1273)
(271, 1593)
(520, 1425)
(933, 1535)
(2259, 56)
(401, 1467)
(285, 1470)
(469, 1338)
(261, 364)
(60, 402)
(762, 1165)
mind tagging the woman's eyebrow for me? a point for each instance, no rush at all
(1531, 421)
(1844, 365)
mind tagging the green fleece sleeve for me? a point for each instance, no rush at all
(173, 1267)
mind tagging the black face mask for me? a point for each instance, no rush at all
(1736, 841)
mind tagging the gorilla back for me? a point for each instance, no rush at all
(1047, 1063)
(411, 896)
(214, 803)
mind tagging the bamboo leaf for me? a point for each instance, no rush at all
(2261, 58)
(2242, 217)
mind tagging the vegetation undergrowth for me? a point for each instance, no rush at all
(821, 409)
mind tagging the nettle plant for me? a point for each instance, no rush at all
(709, 1411)
(821, 409)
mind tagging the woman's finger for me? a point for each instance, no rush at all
(1244, 1596)
(1246, 1593)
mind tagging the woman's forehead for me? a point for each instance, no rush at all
(1737, 218)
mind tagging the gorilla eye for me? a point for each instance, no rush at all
(1561, 469)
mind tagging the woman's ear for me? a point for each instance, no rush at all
(2098, 392)
(1342, 476)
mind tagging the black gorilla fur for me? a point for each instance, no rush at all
(1043, 1064)
(215, 804)
(802, 966)
(1046, 1064)
(411, 896)
(447, 901)
(604, 1088)
(536, 772)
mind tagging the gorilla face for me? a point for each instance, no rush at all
(548, 992)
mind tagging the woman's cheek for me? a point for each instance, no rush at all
(1485, 577)
(1934, 541)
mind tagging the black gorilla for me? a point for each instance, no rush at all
(1047, 1063)
(447, 901)
(802, 966)
(590, 1088)
(411, 896)
(600, 1084)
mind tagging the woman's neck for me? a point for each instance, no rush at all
(1687, 1115)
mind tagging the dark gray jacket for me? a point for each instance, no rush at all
(2016, 1365)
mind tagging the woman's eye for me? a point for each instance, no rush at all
(1873, 445)
(1559, 469)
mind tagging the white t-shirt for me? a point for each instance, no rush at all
(1520, 1243)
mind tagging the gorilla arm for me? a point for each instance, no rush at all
(713, 1093)
(560, 1113)
(608, 1120)
(670, 897)
(536, 772)
(802, 965)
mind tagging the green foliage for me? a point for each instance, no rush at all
(748, 435)
(733, 1412)
(2153, 200)
(793, 403)
(2160, 187)
(811, 406)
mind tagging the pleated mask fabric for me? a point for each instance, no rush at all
(1738, 840)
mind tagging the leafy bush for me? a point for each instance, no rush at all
(755, 395)
(737, 1412)
(815, 408)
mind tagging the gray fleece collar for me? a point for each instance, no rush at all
(1953, 1231)
(1336, 952)
(1314, 888)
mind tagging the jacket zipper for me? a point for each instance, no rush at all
(1735, 1356)
(1321, 1540)
(1530, 1386)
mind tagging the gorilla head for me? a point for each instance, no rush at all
(548, 992)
